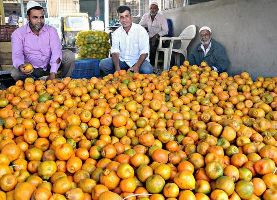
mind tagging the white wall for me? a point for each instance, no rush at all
(247, 29)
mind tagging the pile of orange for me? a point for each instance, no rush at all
(187, 134)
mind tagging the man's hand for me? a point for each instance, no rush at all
(135, 68)
(51, 76)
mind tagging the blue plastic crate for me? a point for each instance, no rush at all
(86, 68)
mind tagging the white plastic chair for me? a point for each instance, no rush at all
(185, 38)
(165, 50)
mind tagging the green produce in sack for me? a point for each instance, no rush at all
(93, 44)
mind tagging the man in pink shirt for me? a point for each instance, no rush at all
(40, 45)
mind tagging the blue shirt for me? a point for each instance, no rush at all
(216, 57)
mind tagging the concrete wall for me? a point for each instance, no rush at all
(247, 29)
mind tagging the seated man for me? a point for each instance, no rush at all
(130, 47)
(13, 18)
(156, 25)
(39, 44)
(210, 51)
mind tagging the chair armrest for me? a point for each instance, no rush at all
(165, 38)
(180, 38)
(161, 39)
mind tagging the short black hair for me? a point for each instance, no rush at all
(34, 8)
(122, 9)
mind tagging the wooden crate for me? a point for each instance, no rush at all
(6, 32)
(5, 53)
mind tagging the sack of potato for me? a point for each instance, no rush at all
(93, 44)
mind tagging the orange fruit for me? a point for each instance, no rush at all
(42, 193)
(226, 184)
(62, 185)
(87, 184)
(97, 190)
(46, 169)
(119, 120)
(163, 170)
(109, 179)
(171, 190)
(128, 185)
(259, 186)
(244, 189)
(186, 195)
(219, 194)
(270, 180)
(74, 132)
(109, 195)
(73, 164)
(160, 155)
(8, 182)
(12, 151)
(214, 170)
(155, 184)
(23, 191)
(75, 193)
(143, 172)
(185, 180)
(64, 151)
(125, 171)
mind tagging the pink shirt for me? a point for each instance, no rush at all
(39, 50)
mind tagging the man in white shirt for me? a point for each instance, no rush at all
(130, 47)
(156, 25)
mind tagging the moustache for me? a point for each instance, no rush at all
(205, 42)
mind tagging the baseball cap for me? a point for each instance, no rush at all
(32, 4)
(205, 28)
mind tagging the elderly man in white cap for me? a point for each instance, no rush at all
(156, 25)
(210, 51)
(39, 44)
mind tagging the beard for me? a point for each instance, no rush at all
(153, 13)
(205, 42)
(36, 27)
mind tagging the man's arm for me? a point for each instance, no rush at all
(143, 21)
(192, 58)
(56, 56)
(164, 28)
(115, 57)
(17, 49)
(144, 49)
(141, 59)
(222, 60)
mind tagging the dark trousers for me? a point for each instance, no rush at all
(153, 42)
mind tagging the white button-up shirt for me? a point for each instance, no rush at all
(157, 26)
(130, 45)
(206, 50)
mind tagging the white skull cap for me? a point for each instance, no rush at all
(32, 4)
(205, 28)
(154, 3)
